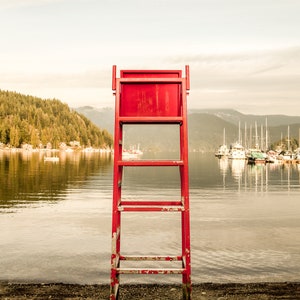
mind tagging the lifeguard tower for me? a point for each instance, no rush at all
(150, 97)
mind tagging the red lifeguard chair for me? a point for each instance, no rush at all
(150, 97)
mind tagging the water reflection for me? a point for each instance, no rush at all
(259, 177)
(237, 168)
(26, 178)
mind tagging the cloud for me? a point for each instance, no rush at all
(228, 69)
(86, 79)
(246, 80)
(242, 60)
(92, 87)
(250, 81)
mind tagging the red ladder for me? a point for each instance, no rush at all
(150, 97)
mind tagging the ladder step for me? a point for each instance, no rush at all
(149, 202)
(151, 258)
(149, 208)
(150, 271)
(150, 163)
(151, 80)
(151, 120)
(144, 205)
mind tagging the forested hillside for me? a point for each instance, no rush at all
(31, 120)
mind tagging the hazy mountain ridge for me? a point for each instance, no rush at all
(206, 127)
(34, 120)
(103, 117)
(234, 117)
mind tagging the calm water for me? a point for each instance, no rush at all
(55, 219)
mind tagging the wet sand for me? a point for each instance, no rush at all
(205, 291)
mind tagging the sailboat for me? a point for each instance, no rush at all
(237, 151)
(288, 155)
(223, 150)
(256, 155)
(132, 153)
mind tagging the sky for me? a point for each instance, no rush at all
(242, 54)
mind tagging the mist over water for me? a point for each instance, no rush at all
(55, 219)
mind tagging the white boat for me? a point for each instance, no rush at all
(286, 156)
(222, 151)
(272, 157)
(133, 153)
(297, 155)
(237, 151)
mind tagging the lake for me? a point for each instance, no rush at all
(55, 218)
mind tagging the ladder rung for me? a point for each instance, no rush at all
(146, 208)
(149, 202)
(152, 258)
(150, 271)
(150, 163)
(151, 80)
(151, 120)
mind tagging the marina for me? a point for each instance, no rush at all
(258, 150)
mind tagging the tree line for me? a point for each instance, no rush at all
(31, 120)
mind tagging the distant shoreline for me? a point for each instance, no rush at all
(43, 150)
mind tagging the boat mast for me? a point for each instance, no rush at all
(261, 137)
(256, 136)
(288, 138)
(245, 138)
(240, 132)
(250, 146)
(267, 146)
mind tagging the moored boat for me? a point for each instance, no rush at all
(133, 153)
(286, 156)
(255, 156)
(237, 151)
(222, 151)
(297, 155)
(272, 157)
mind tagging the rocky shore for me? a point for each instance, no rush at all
(204, 291)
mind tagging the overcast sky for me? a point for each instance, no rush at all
(243, 54)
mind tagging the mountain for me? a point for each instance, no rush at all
(206, 127)
(39, 122)
(103, 117)
(36, 121)
(206, 132)
(234, 117)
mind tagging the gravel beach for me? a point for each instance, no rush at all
(205, 291)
